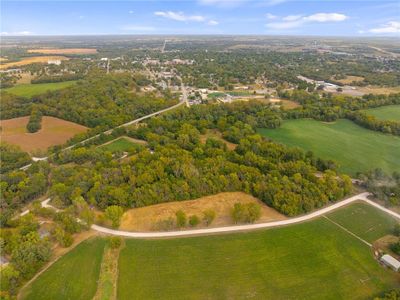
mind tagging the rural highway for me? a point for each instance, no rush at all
(182, 101)
(236, 228)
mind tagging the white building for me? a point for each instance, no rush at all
(391, 262)
(54, 62)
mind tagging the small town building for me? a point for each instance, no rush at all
(54, 62)
(391, 262)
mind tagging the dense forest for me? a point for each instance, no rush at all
(99, 100)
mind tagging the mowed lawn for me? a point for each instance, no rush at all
(121, 144)
(74, 276)
(313, 260)
(29, 90)
(390, 112)
(354, 148)
(364, 220)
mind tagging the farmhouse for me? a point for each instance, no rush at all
(391, 262)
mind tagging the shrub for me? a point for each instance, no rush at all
(115, 242)
(114, 213)
(181, 219)
(194, 221)
(209, 216)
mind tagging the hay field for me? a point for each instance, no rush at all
(54, 132)
(31, 60)
(64, 51)
(144, 218)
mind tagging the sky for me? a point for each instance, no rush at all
(255, 17)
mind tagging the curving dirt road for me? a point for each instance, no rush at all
(236, 228)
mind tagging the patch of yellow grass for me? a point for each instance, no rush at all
(350, 79)
(218, 136)
(31, 60)
(64, 51)
(144, 218)
(370, 89)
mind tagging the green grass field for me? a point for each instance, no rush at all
(354, 148)
(364, 220)
(390, 112)
(315, 260)
(29, 90)
(74, 276)
(312, 260)
(120, 144)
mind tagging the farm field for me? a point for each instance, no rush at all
(54, 132)
(63, 51)
(351, 146)
(144, 218)
(31, 60)
(390, 112)
(73, 276)
(364, 220)
(121, 144)
(29, 90)
(312, 260)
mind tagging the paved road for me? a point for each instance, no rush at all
(237, 228)
(181, 102)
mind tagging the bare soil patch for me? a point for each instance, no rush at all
(288, 104)
(54, 132)
(31, 60)
(144, 218)
(218, 136)
(64, 51)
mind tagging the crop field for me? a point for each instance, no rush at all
(54, 132)
(312, 260)
(31, 60)
(390, 112)
(73, 276)
(121, 144)
(64, 51)
(144, 218)
(351, 146)
(364, 220)
(29, 90)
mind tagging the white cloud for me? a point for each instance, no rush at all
(390, 27)
(294, 21)
(140, 28)
(212, 22)
(235, 3)
(16, 33)
(179, 16)
(324, 17)
(271, 16)
(130, 12)
(292, 18)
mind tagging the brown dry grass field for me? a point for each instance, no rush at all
(26, 78)
(288, 104)
(370, 89)
(350, 79)
(63, 51)
(218, 136)
(31, 60)
(144, 218)
(54, 132)
(3, 59)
